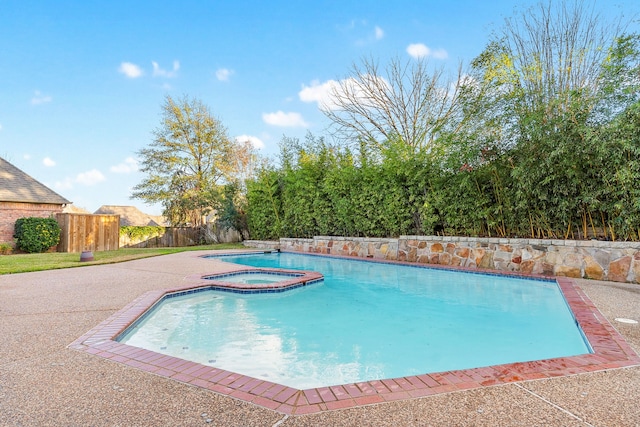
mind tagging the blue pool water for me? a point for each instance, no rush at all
(252, 278)
(365, 321)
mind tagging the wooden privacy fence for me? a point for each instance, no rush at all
(85, 232)
(170, 238)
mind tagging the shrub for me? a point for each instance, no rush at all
(5, 248)
(139, 232)
(36, 234)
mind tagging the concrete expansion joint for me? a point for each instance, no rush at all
(48, 313)
(282, 420)
(560, 408)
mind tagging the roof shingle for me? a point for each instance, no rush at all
(17, 186)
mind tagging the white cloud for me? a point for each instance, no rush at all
(280, 118)
(127, 166)
(65, 184)
(254, 140)
(223, 74)
(420, 50)
(40, 98)
(379, 33)
(130, 70)
(159, 72)
(48, 162)
(319, 92)
(346, 90)
(0, 126)
(89, 178)
(440, 54)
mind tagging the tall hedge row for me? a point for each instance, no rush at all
(577, 187)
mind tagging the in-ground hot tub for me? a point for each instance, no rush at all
(262, 280)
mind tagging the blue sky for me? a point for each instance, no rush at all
(82, 82)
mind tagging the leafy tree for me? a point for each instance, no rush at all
(190, 157)
(549, 81)
(232, 213)
(264, 204)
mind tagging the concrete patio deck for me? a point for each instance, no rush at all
(43, 382)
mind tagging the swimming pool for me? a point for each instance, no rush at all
(366, 321)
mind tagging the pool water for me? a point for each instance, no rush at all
(253, 278)
(366, 321)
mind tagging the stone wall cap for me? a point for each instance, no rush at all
(600, 244)
(296, 239)
(622, 245)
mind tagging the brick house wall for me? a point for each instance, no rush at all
(11, 211)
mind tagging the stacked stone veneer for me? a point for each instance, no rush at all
(614, 261)
(262, 244)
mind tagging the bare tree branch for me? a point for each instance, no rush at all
(407, 102)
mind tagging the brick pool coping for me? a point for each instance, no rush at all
(610, 351)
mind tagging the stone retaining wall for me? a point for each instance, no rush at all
(262, 244)
(590, 259)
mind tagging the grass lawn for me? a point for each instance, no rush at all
(21, 263)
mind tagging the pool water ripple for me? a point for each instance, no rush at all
(367, 321)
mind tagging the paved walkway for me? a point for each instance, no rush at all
(42, 382)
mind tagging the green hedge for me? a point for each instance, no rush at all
(36, 234)
(568, 185)
(139, 232)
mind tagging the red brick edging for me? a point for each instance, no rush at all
(610, 351)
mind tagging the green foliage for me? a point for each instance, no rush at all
(187, 162)
(543, 140)
(321, 190)
(576, 183)
(34, 235)
(137, 232)
(232, 213)
(264, 204)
